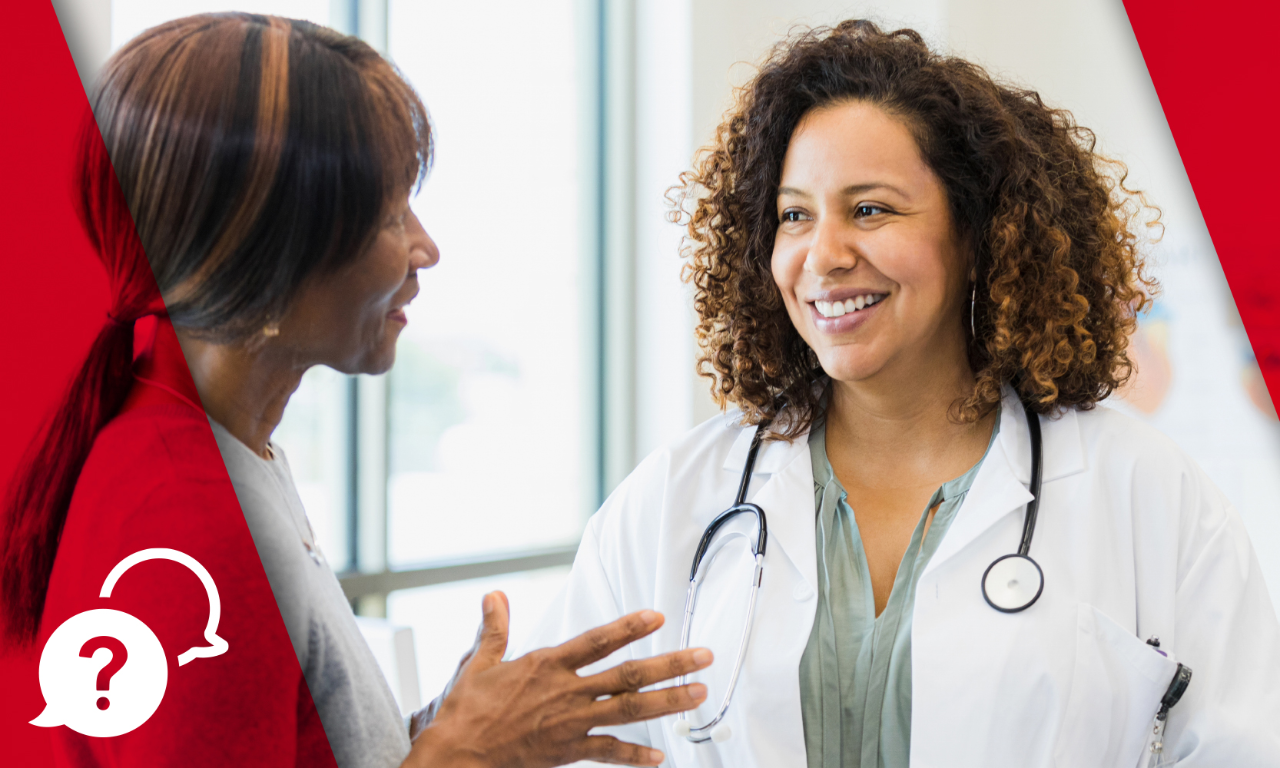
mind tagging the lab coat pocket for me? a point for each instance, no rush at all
(1115, 692)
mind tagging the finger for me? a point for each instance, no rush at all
(635, 707)
(492, 644)
(606, 749)
(593, 645)
(634, 675)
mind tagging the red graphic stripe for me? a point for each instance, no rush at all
(1215, 72)
(53, 297)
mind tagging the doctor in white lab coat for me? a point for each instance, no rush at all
(939, 250)
(1134, 540)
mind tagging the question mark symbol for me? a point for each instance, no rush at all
(118, 657)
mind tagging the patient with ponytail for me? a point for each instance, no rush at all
(245, 180)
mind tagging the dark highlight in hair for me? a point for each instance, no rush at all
(229, 159)
(1049, 221)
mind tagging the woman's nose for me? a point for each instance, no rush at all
(423, 252)
(830, 249)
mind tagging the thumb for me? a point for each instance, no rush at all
(492, 643)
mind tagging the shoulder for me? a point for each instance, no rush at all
(154, 468)
(686, 459)
(1120, 445)
(154, 445)
(1169, 495)
(668, 480)
(1108, 429)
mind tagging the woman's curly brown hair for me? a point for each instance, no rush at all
(1049, 222)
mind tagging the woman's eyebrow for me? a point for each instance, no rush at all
(852, 189)
(858, 189)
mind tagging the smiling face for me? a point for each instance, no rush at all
(349, 320)
(871, 268)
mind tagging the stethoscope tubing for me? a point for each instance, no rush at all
(703, 733)
(1037, 472)
(700, 734)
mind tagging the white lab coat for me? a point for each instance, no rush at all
(1134, 541)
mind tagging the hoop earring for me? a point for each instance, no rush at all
(973, 308)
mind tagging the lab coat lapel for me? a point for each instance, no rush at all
(786, 497)
(996, 491)
(1000, 487)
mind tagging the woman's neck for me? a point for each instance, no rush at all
(242, 388)
(899, 430)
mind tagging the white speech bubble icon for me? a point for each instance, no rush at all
(85, 685)
(217, 646)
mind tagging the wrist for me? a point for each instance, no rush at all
(439, 747)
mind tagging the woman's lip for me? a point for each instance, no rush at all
(847, 322)
(398, 315)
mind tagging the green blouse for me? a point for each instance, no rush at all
(855, 675)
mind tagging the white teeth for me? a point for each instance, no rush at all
(841, 308)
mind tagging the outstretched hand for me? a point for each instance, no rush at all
(536, 711)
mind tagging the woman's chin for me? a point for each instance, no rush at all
(381, 360)
(850, 369)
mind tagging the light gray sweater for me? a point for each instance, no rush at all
(355, 705)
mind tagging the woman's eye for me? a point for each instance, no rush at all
(790, 216)
(863, 211)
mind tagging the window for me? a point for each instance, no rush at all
(491, 429)
(488, 403)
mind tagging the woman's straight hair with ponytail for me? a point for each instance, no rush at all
(229, 159)
(40, 492)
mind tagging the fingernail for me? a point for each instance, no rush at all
(656, 757)
(486, 604)
(650, 617)
(702, 657)
(698, 691)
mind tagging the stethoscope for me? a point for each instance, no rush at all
(1011, 584)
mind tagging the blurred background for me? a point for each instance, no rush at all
(551, 348)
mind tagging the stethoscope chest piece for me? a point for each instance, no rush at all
(1012, 583)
